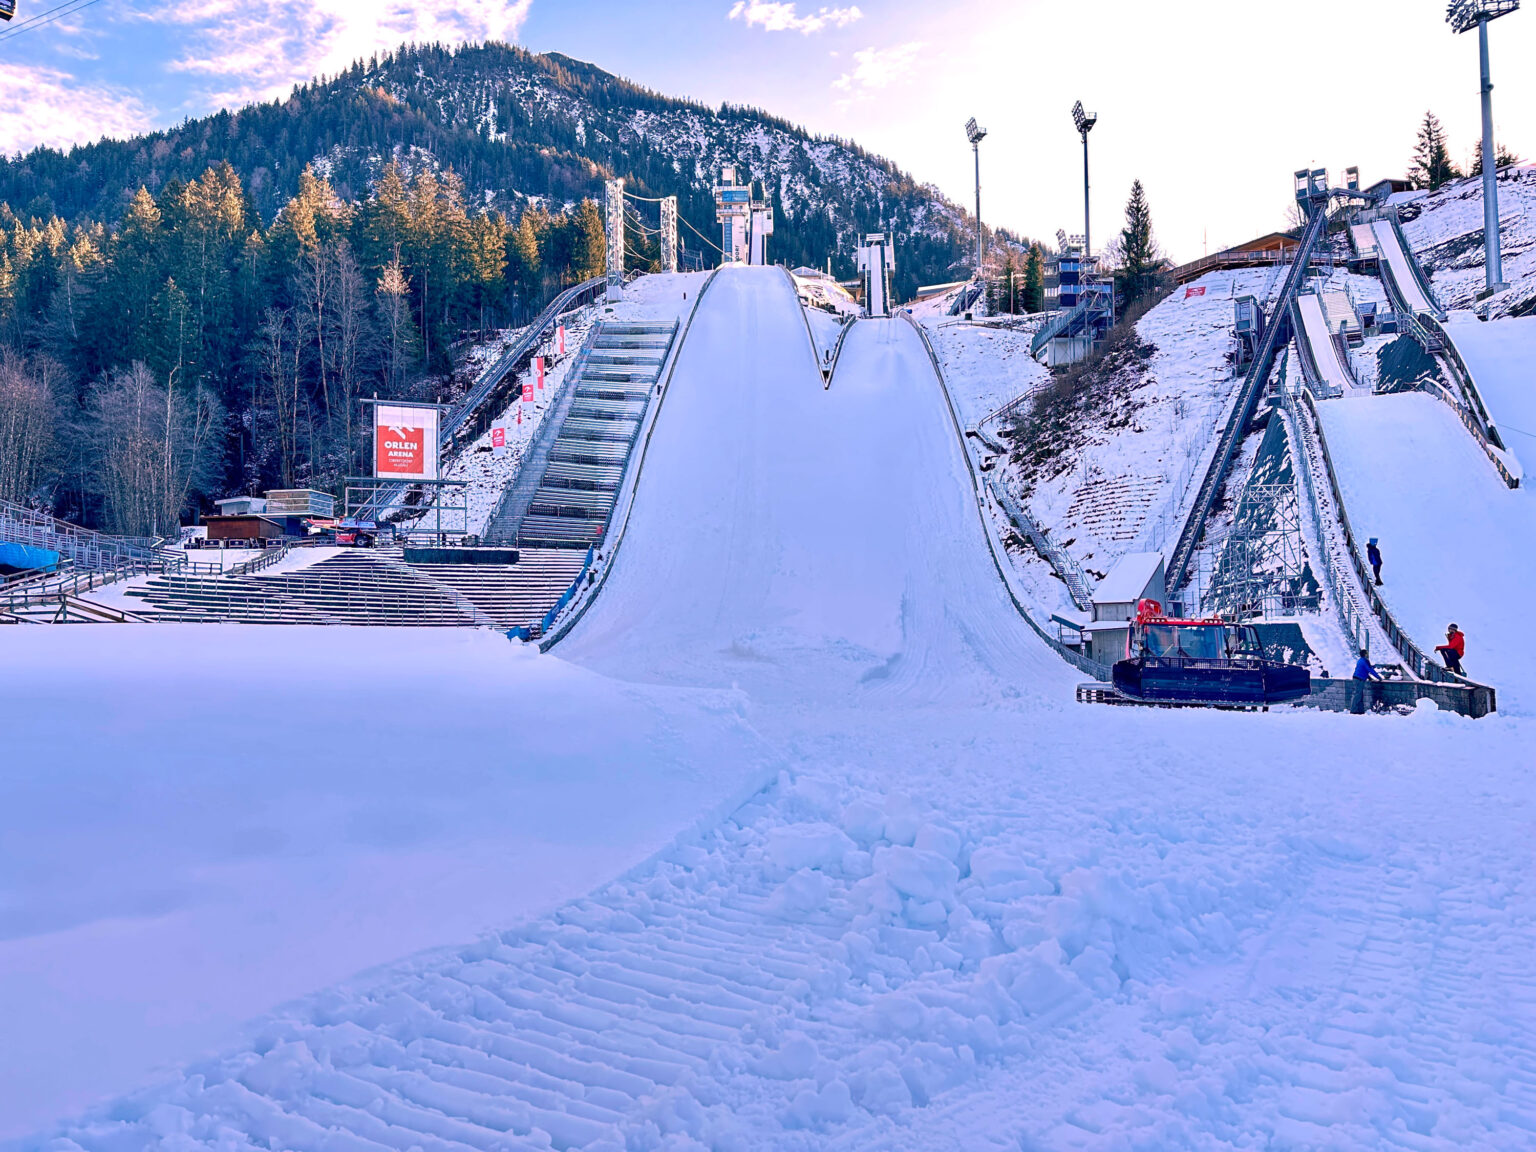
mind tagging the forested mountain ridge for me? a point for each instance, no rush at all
(197, 311)
(515, 127)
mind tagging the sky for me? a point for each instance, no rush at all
(1212, 105)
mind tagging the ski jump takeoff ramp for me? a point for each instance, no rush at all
(827, 539)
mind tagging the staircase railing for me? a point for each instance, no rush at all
(467, 419)
(1243, 409)
(1062, 562)
(530, 469)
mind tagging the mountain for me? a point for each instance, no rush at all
(518, 128)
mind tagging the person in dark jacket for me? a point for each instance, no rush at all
(1454, 649)
(1360, 691)
(1373, 554)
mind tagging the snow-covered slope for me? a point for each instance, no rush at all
(1445, 228)
(969, 914)
(1459, 546)
(1120, 479)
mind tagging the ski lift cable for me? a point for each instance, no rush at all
(701, 235)
(69, 8)
(38, 16)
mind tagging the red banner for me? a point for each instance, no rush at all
(538, 371)
(498, 437)
(401, 451)
(527, 391)
(560, 340)
(1200, 291)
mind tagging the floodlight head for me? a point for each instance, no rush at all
(974, 132)
(1465, 15)
(1084, 120)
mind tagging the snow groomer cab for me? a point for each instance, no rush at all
(1202, 662)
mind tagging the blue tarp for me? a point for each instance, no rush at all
(23, 557)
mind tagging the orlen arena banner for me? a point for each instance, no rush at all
(405, 442)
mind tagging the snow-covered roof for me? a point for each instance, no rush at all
(1129, 578)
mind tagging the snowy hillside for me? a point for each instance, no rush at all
(1114, 469)
(1445, 228)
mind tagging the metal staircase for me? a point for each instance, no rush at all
(565, 491)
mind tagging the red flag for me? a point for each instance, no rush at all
(538, 370)
(560, 340)
(1200, 291)
(527, 391)
(519, 415)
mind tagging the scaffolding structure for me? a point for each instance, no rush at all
(1262, 568)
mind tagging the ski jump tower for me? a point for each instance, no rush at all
(745, 222)
(876, 261)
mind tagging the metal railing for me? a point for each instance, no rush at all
(468, 417)
(1243, 409)
(85, 546)
(1353, 622)
(1062, 562)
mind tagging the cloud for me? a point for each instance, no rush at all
(256, 51)
(774, 16)
(53, 107)
(878, 67)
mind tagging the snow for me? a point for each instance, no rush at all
(174, 864)
(1500, 354)
(1402, 270)
(1324, 353)
(964, 914)
(987, 365)
(1445, 229)
(1458, 545)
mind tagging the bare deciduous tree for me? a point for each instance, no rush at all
(150, 448)
(27, 415)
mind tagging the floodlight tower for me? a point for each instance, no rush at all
(1463, 16)
(1085, 122)
(976, 134)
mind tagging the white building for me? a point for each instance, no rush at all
(1136, 576)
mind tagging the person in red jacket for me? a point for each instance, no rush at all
(1454, 648)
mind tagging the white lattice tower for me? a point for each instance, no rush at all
(669, 234)
(614, 224)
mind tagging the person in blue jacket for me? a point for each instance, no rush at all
(1373, 554)
(1360, 690)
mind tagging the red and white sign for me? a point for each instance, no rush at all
(528, 391)
(560, 340)
(538, 371)
(1200, 291)
(405, 442)
(498, 439)
(519, 416)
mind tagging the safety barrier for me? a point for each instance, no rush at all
(559, 606)
(1094, 668)
(1352, 621)
(1359, 696)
